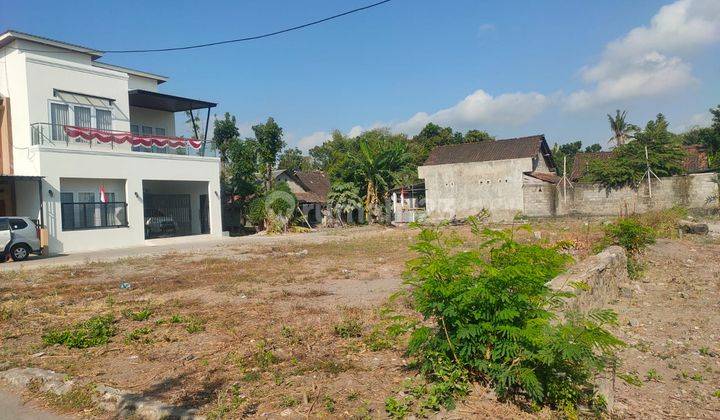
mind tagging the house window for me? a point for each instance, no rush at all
(88, 213)
(62, 114)
(83, 116)
(59, 117)
(103, 119)
(66, 204)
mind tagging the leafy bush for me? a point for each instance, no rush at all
(630, 234)
(491, 318)
(95, 331)
(348, 328)
(141, 315)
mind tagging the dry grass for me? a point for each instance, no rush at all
(252, 332)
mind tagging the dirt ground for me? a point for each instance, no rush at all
(295, 329)
(672, 327)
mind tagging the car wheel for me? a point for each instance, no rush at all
(19, 252)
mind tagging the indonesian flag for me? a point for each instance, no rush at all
(103, 196)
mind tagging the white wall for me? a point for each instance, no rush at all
(153, 118)
(132, 167)
(464, 189)
(138, 82)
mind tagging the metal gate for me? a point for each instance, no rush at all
(167, 215)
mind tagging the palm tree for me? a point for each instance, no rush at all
(343, 198)
(375, 165)
(622, 130)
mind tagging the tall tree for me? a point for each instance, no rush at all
(431, 136)
(243, 167)
(331, 156)
(475, 136)
(622, 130)
(225, 132)
(593, 148)
(269, 137)
(294, 160)
(628, 164)
(565, 151)
(375, 164)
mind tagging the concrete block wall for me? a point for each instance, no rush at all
(587, 199)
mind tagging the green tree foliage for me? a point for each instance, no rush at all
(332, 155)
(490, 313)
(243, 167)
(708, 137)
(476, 136)
(225, 133)
(343, 199)
(593, 148)
(269, 138)
(567, 150)
(433, 135)
(627, 165)
(375, 165)
(294, 160)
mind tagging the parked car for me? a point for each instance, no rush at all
(159, 224)
(24, 237)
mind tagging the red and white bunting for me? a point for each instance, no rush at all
(90, 134)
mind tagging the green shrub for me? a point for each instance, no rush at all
(139, 334)
(348, 328)
(491, 317)
(630, 234)
(141, 315)
(95, 331)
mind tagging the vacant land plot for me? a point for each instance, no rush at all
(298, 329)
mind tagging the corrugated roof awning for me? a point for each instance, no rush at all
(154, 100)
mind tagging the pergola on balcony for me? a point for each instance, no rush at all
(78, 136)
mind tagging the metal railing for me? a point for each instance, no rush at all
(96, 215)
(54, 135)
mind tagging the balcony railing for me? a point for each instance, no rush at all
(81, 216)
(67, 136)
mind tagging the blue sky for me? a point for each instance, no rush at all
(512, 68)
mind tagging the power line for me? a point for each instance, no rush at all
(236, 40)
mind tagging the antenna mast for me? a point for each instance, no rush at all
(565, 181)
(649, 173)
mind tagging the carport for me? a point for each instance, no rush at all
(175, 208)
(21, 195)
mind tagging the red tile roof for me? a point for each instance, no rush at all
(485, 151)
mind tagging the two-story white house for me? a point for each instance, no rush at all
(89, 150)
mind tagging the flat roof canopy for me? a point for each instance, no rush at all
(21, 177)
(153, 100)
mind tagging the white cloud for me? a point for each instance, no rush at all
(639, 64)
(485, 27)
(702, 119)
(355, 131)
(481, 109)
(650, 75)
(317, 138)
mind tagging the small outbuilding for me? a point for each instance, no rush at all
(505, 177)
(310, 188)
